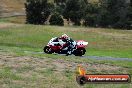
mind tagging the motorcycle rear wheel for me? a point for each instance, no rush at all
(47, 50)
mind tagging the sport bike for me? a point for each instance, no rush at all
(78, 47)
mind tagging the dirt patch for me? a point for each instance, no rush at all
(59, 65)
(32, 72)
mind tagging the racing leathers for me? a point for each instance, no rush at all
(68, 44)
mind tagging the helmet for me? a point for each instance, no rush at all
(65, 36)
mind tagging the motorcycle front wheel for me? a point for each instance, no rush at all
(79, 52)
(47, 50)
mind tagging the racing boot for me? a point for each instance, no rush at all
(68, 53)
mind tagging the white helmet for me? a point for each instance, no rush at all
(65, 36)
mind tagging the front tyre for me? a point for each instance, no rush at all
(80, 52)
(47, 50)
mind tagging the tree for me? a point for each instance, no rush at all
(129, 18)
(131, 2)
(83, 7)
(112, 13)
(37, 11)
(59, 1)
(91, 14)
(56, 19)
(73, 11)
(59, 6)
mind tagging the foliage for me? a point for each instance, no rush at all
(105, 13)
(56, 19)
(73, 11)
(59, 8)
(37, 11)
(89, 20)
(90, 16)
(59, 1)
(113, 13)
(129, 18)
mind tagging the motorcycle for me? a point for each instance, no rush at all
(78, 47)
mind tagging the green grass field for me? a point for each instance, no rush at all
(102, 42)
(21, 67)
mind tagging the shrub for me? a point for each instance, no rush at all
(90, 15)
(56, 19)
(89, 20)
(37, 11)
(113, 13)
(74, 10)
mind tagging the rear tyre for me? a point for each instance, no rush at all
(47, 50)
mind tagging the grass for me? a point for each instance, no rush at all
(47, 77)
(102, 42)
(28, 68)
(42, 75)
(6, 73)
(22, 19)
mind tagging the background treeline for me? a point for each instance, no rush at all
(104, 13)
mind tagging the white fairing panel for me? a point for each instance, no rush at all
(61, 42)
(52, 43)
(82, 43)
(85, 43)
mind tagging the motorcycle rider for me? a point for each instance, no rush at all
(69, 43)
